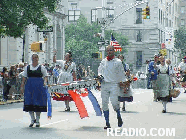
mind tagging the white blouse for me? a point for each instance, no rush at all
(43, 70)
(163, 69)
(71, 67)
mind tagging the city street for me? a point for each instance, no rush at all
(141, 113)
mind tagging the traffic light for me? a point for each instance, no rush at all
(97, 55)
(144, 13)
(36, 47)
(163, 52)
(147, 12)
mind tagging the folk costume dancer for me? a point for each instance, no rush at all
(111, 69)
(163, 83)
(153, 76)
(182, 69)
(35, 95)
(67, 73)
(171, 73)
(127, 94)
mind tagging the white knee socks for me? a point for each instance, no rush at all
(38, 116)
(164, 105)
(32, 116)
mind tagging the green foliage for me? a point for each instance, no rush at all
(17, 14)
(180, 40)
(80, 39)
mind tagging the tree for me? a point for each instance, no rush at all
(81, 40)
(180, 40)
(17, 14)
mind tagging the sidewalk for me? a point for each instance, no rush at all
(10, 102)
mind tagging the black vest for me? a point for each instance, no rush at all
(34, 73)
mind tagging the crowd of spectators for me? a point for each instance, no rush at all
(12, 77)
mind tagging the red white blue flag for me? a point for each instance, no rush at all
(114, 42)
(86, 103)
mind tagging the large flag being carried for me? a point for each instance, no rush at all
(86, 103)
(114, 42)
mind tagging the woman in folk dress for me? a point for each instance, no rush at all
(125, 93)
(35, 94)
(67, 73)
(163, 83)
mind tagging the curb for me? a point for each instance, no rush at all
(11, 102)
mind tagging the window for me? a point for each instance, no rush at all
(169, 23)
(169, 9)
(110, 13)
(175, 21)
(138, 15)
(182, 9)
(161, 16)
(166, 22)
(139, 36)
(93, 15)
(176, 8)
(138, 0)
(73, 15)
(138, 59)
(182, 22)
(109, 1)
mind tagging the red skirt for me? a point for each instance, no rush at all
(61, 97)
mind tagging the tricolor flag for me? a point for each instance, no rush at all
(86, 103)
(114, 42)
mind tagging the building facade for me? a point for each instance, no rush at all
(145, 35)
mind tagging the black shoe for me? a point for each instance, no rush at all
(67, 109)
(107, 126)
(120, 122)
(32, 124)
(163, 111)
(155, 100)
(123, 109)
(185, 91)
(37, 125)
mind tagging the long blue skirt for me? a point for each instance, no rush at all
(35, 96)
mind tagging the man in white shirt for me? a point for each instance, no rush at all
(112, 70)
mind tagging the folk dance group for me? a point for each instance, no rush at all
(116, 85)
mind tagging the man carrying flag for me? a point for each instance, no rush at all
(114, 42)
(111, 71)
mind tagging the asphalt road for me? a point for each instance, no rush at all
(142, 115)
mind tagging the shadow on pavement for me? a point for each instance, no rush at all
(90, 128)
(40, 129)
(129, 112)
(68, 111)
(175, 113)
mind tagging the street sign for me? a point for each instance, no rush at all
(101, 43)
(48, 29)
(107, 42)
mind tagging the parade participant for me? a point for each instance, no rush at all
(148, 74)
(171, 73)
(67, 74)
(111, 69)
(127, 96)
(182, 69)
(163, 83)
(153, 76)
(35, 96)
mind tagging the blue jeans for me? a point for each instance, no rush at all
(148, 81)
